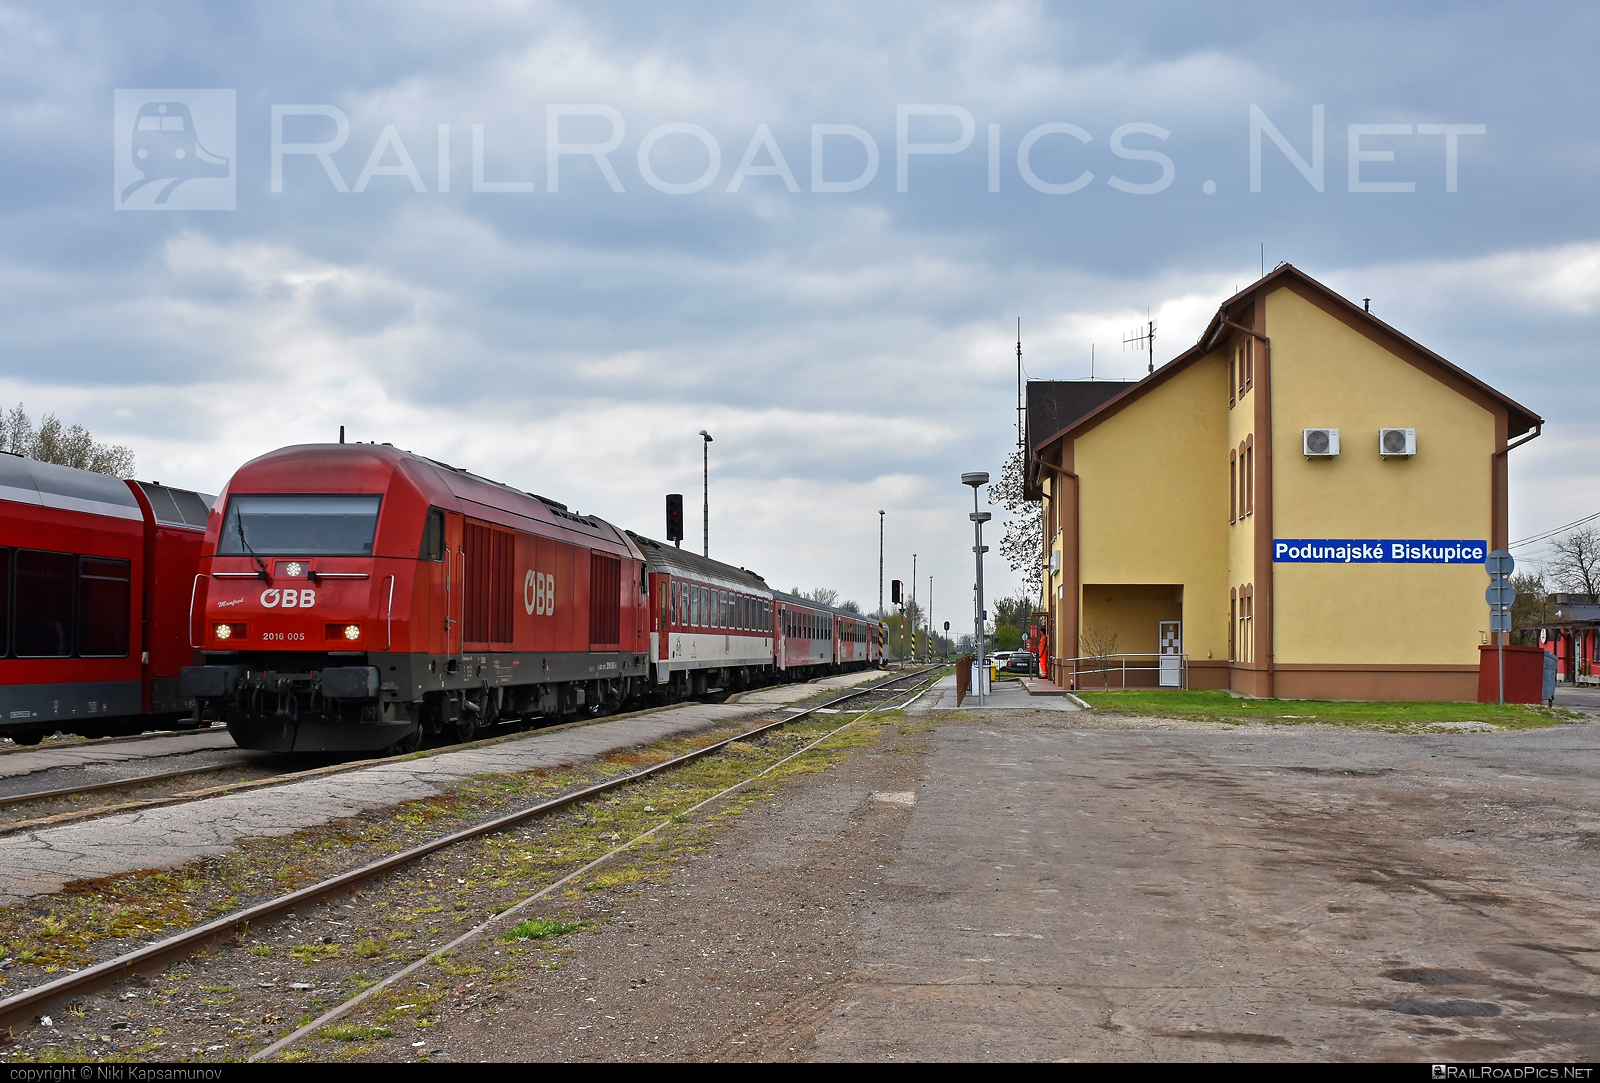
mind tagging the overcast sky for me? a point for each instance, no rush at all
(849, 350)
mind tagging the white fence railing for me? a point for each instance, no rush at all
(1111, 671)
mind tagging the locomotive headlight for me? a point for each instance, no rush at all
(223, 631)
(352, 631)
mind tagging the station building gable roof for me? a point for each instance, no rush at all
(1052, 405)
(1286, 276)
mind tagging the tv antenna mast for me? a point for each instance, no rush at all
(1020, 440)
(1143, 340)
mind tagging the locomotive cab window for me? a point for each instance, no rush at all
(305, 525)
(432, 547)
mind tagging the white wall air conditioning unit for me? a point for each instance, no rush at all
(1401, 442)
(1055, 562)
(1323, 443)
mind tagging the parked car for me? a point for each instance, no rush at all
(1021, 662)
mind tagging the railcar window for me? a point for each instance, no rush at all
(432, 547)
(43, 614)
(694, 606)
(722, 603)
(330, 524)
(103, 613)
(5, 601)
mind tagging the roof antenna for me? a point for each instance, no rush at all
(1091, 362)
(1366, 305)
(1144, 338)
(341, 434)
(1019, 382)
(1263, 259)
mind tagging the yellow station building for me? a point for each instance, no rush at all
(1300, 504)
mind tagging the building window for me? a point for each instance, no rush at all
(1248, 353)
(1233, 486)
(1233, 624)
(1249, 478)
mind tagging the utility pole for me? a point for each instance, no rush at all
(705, 505)
(930, 615)
(880, 563)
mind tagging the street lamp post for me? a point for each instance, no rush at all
(880, 563)
(705, 502)
(977, 479)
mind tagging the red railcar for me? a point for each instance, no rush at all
(358, 597)
(94, 580)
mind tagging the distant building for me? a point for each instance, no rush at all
(1573, 636)
(1300, 503)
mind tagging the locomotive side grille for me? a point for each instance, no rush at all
(605, 599)
(486, 617)
(500, 624)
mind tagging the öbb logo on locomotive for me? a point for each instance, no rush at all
(422, 636)
(290, 599)
(539, 594)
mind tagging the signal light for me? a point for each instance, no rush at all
(894, 588)
(352, 631)
(674, 517)
(342, 633)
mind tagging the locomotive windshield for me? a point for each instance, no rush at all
(330, 525)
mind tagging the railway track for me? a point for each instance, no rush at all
(21, 1009)
(276, 779)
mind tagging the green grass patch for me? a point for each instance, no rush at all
(1399, 717)
(364, 1032)
(537, 929)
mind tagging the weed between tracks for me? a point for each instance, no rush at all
(391, 922)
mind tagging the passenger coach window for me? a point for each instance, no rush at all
(103, 615)
(5, 600)
(432, 536)
(43, 623)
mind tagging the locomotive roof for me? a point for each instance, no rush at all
(476, 495)
(684, 562)
(66, 488)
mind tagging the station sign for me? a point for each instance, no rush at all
(1377, 551)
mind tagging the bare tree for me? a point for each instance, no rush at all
(822, 595)
(53, 442)
(1531, 609)
(1022, 542)
(1100, 644)
(1574, 563)
(851, 607)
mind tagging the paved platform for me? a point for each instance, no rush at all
(1003, 696)
(43, 862)
(96, 753)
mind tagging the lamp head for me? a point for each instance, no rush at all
(706, 435)
(976, 478)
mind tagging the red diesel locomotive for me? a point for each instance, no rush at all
(94, 586)
(356, 597)
(359, 598)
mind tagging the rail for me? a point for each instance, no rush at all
(21, 1008)
(1171, 671)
